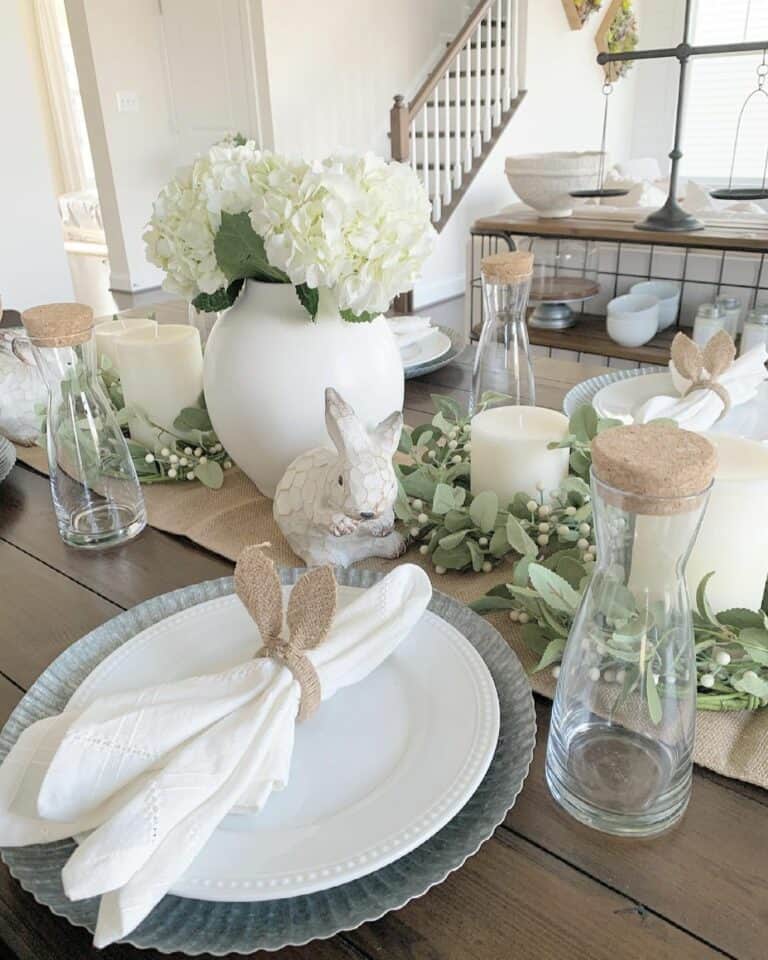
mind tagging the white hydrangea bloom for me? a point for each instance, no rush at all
(358, 225)
(355, 224)
(187, 214)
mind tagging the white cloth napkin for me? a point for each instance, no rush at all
(153, 772)
(701, 409)
(409, 330)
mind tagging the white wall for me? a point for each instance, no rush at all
(562, 111)
(33, 265)
(335, 66)
(656, 82)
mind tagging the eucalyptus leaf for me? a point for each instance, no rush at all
(740, 618)
(452, 540)
(520, 574)
(192, 418)
(455, 559)
(755, 643)
(440, 423)
(477, 555)
(534, 637)
(405, 444)
(518, 539)
(553, 589)
(483, 510)
(553, 653)
(652, 697)
(583, 424)
(488, 604)
(422, 435)
(499, 544)
(753, 685)
(702, 604)
(447, 406)
(458, 520)
(210, 474)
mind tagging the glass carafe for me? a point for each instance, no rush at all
(619, 755)
(96, 494)
(502, 373)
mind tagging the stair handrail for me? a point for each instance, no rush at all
(402, 113)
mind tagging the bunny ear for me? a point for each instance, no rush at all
(719, 353)
(258, 586)
(387, 433)
(342, 424)
(687, 357)
(311, 608)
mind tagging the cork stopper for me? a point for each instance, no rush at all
(658, 465)
(58, 324)
(510, 267)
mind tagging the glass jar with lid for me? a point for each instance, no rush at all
(731, 307)
(710, 318)
(755, 331)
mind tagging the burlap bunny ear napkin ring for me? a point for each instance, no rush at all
(311, 609)
(703, 367)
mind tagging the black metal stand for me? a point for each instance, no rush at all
(671, 217)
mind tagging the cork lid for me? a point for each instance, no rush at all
(507, 267)
(58, 324)
(660, 465)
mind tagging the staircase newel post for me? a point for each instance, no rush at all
(400, 129)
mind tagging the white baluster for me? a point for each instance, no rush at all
(412, 141)
(425, 150)
(445, 83)
(467, 88)
(478, 85)
(458, 158)
(488, 60)
(510, 85)
(498, 39)
(437, 205)
(521, 32)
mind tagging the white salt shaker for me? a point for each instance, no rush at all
(731, 307)
(755, 329)
(710, 318)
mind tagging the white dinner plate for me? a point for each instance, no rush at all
(617, 401)
(424, 350)
(380, 768)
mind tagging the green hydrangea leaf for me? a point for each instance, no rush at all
(309, 297)
(222, 299)
(364, 317)
(240, 251)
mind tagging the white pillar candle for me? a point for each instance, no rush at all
(510, 454)
(108, 332)
(161, 372)
(733, 539)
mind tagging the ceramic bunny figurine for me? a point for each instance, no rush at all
(337, 507)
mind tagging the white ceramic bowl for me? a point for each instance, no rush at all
(544, 180)
(667, 292)
(633, 319)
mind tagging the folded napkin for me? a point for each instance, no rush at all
(735, 383)
(153, 772)
(409, 330)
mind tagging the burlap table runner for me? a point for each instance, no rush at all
(227, 520)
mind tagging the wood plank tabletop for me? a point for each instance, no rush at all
(542, 888)
(523, 221)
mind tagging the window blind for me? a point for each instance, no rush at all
(716, 91)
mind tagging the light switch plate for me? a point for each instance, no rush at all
(127, 101)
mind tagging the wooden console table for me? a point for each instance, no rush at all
(589, 336)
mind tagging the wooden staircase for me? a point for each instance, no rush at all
(452, 124)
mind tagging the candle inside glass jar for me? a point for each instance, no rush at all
(108, 332)
(161, 372)
(510, 451)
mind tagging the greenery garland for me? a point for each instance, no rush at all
(553, 555)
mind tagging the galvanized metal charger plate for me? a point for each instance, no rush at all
(458, 343)
(195, 927)
(586, 391)
(7, 457)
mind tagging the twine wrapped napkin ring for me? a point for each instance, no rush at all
(311, 609)
(703, 367)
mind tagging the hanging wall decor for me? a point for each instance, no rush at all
(618, 33)
(579, 11)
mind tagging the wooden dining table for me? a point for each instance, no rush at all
(542, 887)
